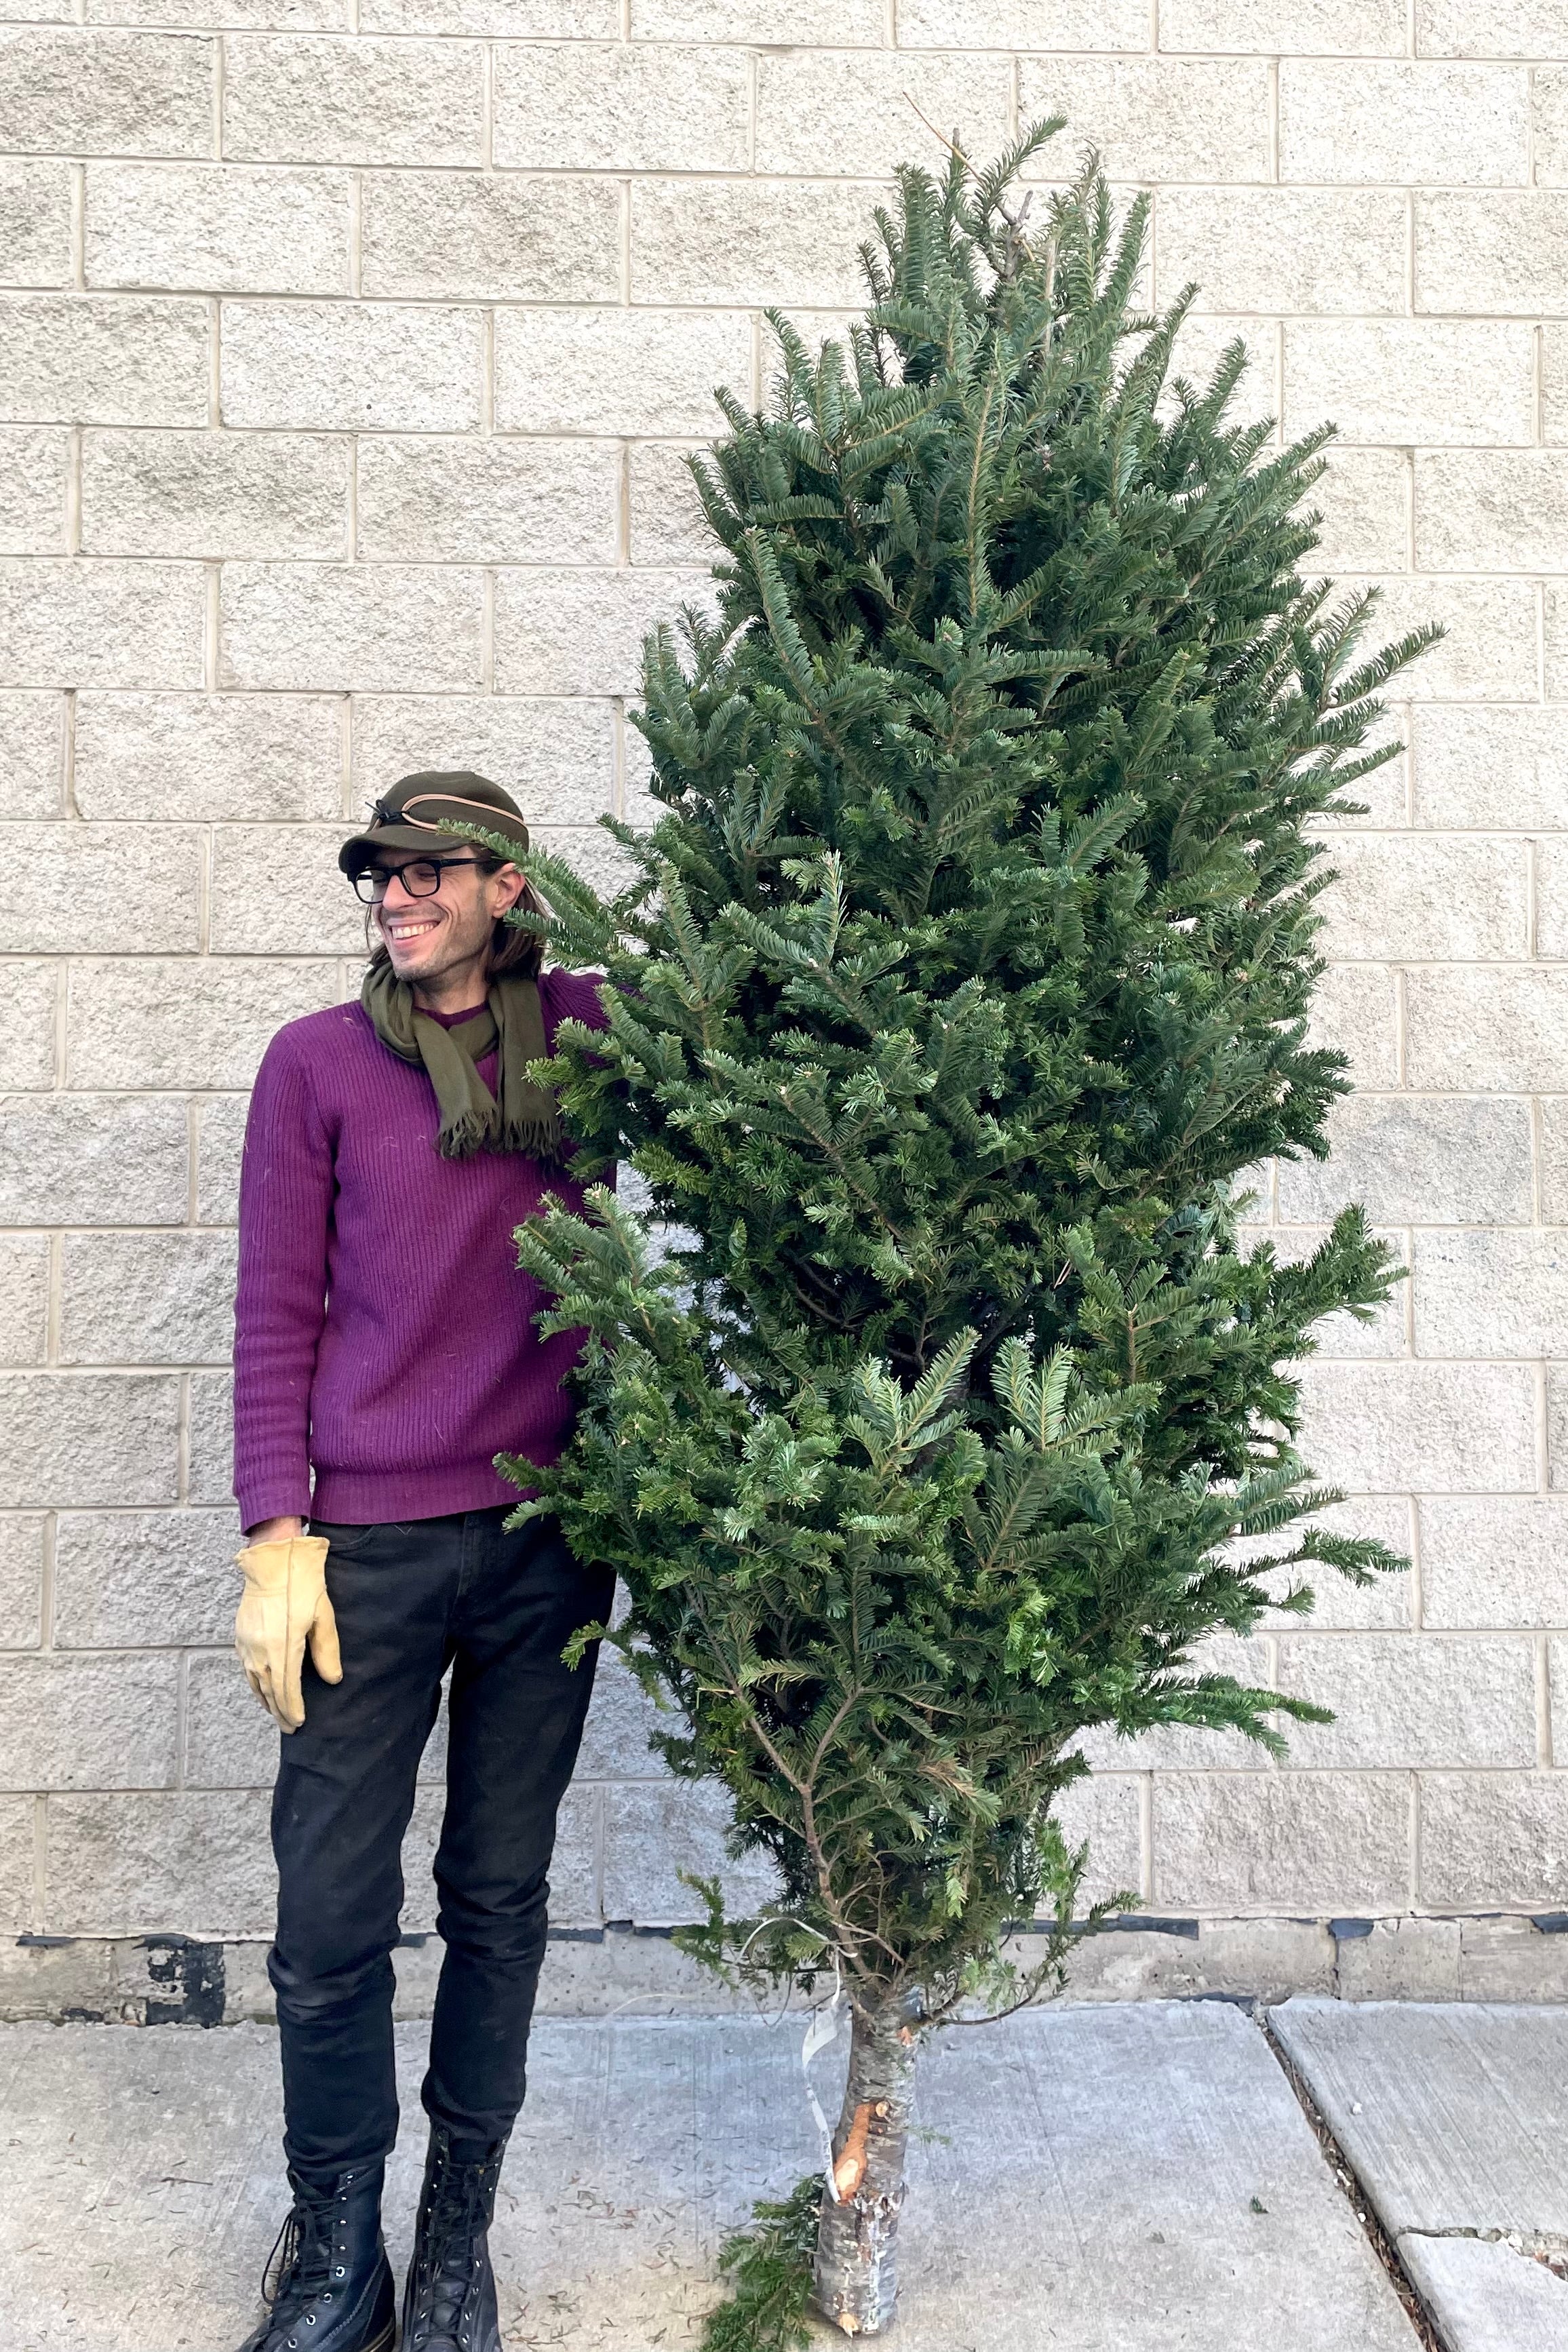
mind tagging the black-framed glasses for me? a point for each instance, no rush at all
(421, 877)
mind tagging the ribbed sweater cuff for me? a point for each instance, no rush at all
(275, 1499)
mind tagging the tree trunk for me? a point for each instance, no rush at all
(855, 2283)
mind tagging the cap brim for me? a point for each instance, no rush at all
(357, 854)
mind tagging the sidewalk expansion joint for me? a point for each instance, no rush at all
(1355, 2195)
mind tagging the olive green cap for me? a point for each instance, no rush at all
(419, 810)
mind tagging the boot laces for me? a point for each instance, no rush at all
(448, 2251)
(298, 2271)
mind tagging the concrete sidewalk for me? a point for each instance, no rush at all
(1135, 2179)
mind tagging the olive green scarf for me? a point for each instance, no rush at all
(525, 1119)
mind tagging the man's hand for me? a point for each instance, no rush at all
(283, 1607)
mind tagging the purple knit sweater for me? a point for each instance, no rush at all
(384, 1333)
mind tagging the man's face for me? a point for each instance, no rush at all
(429, 932)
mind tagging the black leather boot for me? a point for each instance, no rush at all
(449, 2300)
(328, 2284)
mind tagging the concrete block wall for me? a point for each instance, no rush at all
(348, 349)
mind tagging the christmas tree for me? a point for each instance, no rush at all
(963, 974)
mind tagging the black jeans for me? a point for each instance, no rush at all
(410, 1600)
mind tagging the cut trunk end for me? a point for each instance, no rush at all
(856, 2280)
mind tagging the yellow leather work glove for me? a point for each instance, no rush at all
(284, 1605)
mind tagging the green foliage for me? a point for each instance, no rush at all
(964, 975)
(770, 2263)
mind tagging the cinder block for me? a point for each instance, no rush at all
(667, 524)
(1549, 124)
(1283, 249)
(276, 891)
(613, 106)
(293, 16)
(489, 501)
(1461, 897)
(1417, 1160)
(620, 1719)
(648, 372)
(354, 100)
(343, 365)
(1311, 1842)
(27, 1054)
(1354, 1012)
(1509, 1958)
(1490, 1840)
(1504, 29)
(218, 228)
(1552, 1112)
(147, 1298)
(32, 754)
(1107, 1809)
(22, 1580)
(24, 1298)
(82, 358)
(582, 631)
(129, 1865)
(1153, 118)
(146, 1023)
(1402, 1959)
(1340, 1606)
(1552, 903)
(74, 871)
(153, 1578)
(87, 1160)
(231, 1742)
(1364, 501)
(601, 862)
(102, 624)
(1492, 510)
(86, 91)
(211, 1443)
(1492, 1294)
(36, 221)
(529, 20)
(33, 489)
(574, 1863)
(1498, 253)
(1488, 653)
(842, 22)
(82, 1438)
(87, 1722)
(200, 756)
(1448, 1429)
(1315, 29)
(458, 234)
(1492, 1562)
(654, 1832)
(1497, 1032)
(1556, 617)
(17, 1848)
(287, 625)
(1436, 381)
(214, 494)
(220, 1141)
(1504, 768)
(821, 110)
(1411, 1699)
(1410, 123)
(785, 242)
(556, 758)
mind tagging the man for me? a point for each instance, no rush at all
(384, 1354)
